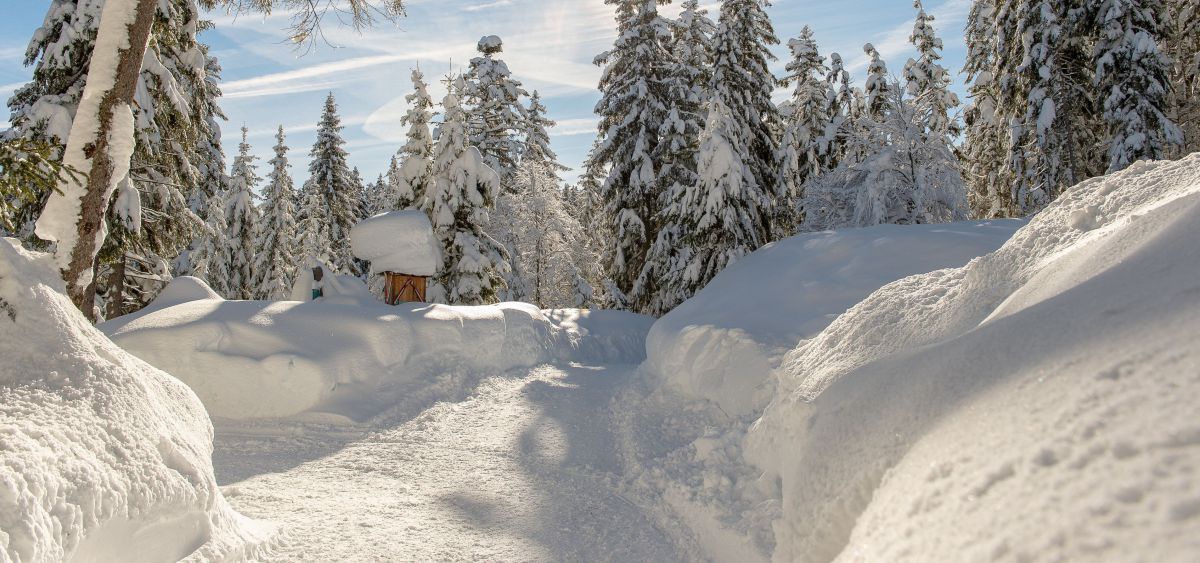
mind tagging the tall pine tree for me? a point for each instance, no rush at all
(277, 258)
(743, 83)
(1133, 77)
(242, 217)
(409, 173)
(331, 179)
(805, 118)
(633, 106)
(463, 188)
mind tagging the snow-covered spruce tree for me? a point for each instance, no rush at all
(409, 173)
(208, 256)
(495, 111)
(1046, 98)
(313, 229)
(170, 117)
(1183, 46)
(1133, 77)
(463, 188)
(877, 86)
(986, 142)
(805, 118)
(743, 84)
(927, 81)
(242, 217)
(379, 198)
(633, 105)
(100, 143)
(597, 234)
(331, 178)
(692, 46)
(840, 109)
(277, 259)
(724, 214)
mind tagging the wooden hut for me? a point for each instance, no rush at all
(401, 247)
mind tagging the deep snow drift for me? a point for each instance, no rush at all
(354, 357)
(102, 457)
(722, 344)
(1035, 404)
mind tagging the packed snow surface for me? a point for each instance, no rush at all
(102, 457)
(397, 241)
(356, 357)
(1036, 404)
(722, 344)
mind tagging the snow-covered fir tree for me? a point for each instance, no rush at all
(1133, 77)
(409, 173)
(692, 46)
(379, 198)
(1183, 33)
(688, 87)
(494, 107)
(723, 216)
(986, 142)
(805, 118)
(242, 217)
(174, 102)
(331, 179)
(743, 84)
(277, 258)
(840, 109)
(462, 190)
(877, 85)
(927, 81)
(208, 257)
(633, 106)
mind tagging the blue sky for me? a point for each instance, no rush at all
(549, 45)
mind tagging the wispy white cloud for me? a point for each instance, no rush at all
(487, 5)
(948, 19)
(575, 126)
(12, 53)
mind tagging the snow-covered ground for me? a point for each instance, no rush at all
(524, 469)
(862, 395)
(102, 457)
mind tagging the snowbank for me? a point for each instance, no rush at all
(257, 359)
(1037, 404)
(184, 289)
(723, 343)
(397, 241)
(102, 457)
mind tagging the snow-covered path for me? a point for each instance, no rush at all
(524, 469)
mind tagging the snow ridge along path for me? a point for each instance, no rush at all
(524, 469)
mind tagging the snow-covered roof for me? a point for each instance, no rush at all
(397, 241)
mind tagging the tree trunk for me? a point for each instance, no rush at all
(116, 285)
(76, 252)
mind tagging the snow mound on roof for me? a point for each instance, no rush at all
(356, 358)
(182, 290)
(102, 457)
(1038, 403)
(397, 241)
(722, 344)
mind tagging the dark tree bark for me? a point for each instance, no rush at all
(95, 200)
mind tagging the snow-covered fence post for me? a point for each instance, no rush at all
(101, 144)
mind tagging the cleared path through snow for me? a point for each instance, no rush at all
(524, 469)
